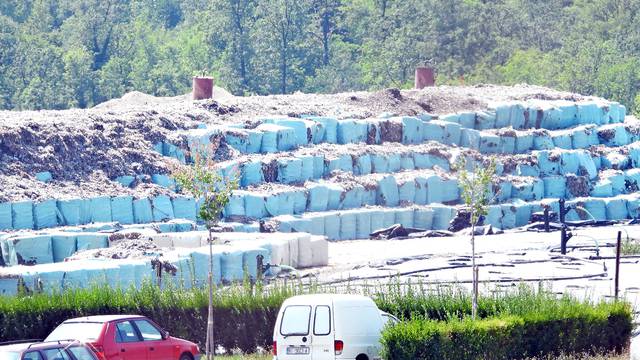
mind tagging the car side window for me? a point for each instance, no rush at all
(32, 355)
(56, 354)
(148, 331)
(126, 333)
(81, 353)
(322, 321)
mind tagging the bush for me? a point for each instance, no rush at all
(572, 327)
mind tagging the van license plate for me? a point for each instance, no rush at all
(297, 350)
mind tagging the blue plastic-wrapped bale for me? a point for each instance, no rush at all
(577, 162)
(395, 162)
(529, 190)
(329, 126)
(294, 223)
(22, 215)
(299, 200)
(316, 223)
(184, 274)
(489, 143)
(303, 129)
(504, 191)
(174, 152)
(522, 212)
(508, 216)
(451, 190)
(562, 140)
(44, 176)
(332, 226)
(251, 173)
(411, 130)
(633, 206)
(353, 197)
(613, 135)
(335, 192)
(142, 211)
(9, 285)
(126, 180)
(363, 223)
(407, 191)
(162, 208)
(434, 131)
(617, 112)
(602, 188)
(528, 170)
(201, 262)
(406, 162)
(122, 209)
(63, 245)
(347, 225)
(387, 194)
(549, 163)
(45, 214)
(379, 163)
(318, 197)
(632, 178)
(352, 131)
(362, 164)
(421, 190)
(255, 206)
(185, 208)
(517, 118)
(306, 169)
(289, 170)
(524, 142)
(470, 138)
(100, 208)
(50, 277)
(29, 249)
(555, 186)
(90, 241)
(249, 258)
(423, 218)
(74, 211)
(163, 180)
(377, 219)
(494, 216)
(342, 162)
(442, 216)
(584, 136)
(568, 114)
(235, 206)
(485, 120)
(616, 208)
(507, 142)
(183, 225)
(318, 166)
(467, 120)
(5, 216)
(617, 179)
(404, 217)
(452, 134)
(588, 113)
(453, 118)
(596, 208)
(158, 147)
(503, 112)
(615, 160)
(430, 160)
(634, 155)
(542, 140)
(369, 196)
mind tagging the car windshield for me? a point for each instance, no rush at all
(76, 331)
(9, 355)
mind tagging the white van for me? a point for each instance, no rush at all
(327, 326)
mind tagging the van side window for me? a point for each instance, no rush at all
(295, 320)
(322, 321)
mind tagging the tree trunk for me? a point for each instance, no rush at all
(474, 300)
(210, 348)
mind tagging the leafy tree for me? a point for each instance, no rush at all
(476, 192)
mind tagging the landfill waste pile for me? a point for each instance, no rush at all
(87, 195)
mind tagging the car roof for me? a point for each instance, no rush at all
(102, 318)
(324, 299)
(36, 345)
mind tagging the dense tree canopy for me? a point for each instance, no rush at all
(77, 53)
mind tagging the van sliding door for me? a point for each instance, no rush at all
(322, 347)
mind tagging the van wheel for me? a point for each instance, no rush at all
(362, 357)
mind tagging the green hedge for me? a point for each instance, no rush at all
(243, 317)
(571, 327)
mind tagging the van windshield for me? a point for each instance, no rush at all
(295, 320)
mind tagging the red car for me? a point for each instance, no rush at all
(125, 337)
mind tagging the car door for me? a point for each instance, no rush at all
(157, 347)
(129, 344)
(295, 333)
(323, 335)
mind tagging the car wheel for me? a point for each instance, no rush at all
(186, 357)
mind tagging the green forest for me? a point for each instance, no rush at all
(57, 54)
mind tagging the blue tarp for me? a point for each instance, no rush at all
(5, 216)
(29, 249)
(90, 241)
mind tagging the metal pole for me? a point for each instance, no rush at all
(617, 278)
(562, 210)
(546, 219)
(563, 241)
(211, 350)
